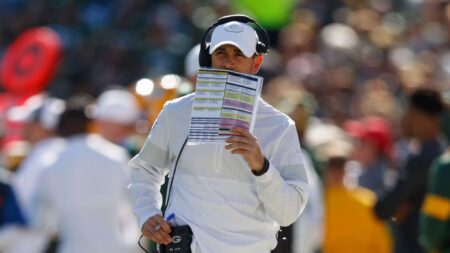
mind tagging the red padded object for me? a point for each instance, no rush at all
(31, 61)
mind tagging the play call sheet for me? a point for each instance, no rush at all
(223, 100)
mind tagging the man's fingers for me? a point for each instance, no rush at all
(162, 229)
(245, 144)
(242, 152)
(164, 225)
(157, 230)
(162, 237)
(157, 238)
(157, 235)
(240, 144)
(237, 146)
(242, 131)
(232, 139)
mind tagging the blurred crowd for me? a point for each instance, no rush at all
(366, 81)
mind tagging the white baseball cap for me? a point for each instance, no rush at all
(237, 34)
(116, 105)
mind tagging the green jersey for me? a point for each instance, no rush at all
(435, 213)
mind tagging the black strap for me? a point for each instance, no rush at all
(169, 191)
(140, 245)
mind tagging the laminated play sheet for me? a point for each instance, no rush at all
(223, 100)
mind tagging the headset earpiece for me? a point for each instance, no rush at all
(262, 46)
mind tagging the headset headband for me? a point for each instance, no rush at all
(261, 47)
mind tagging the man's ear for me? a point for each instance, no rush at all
(257, 63)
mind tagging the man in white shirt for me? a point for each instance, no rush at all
(83, 195)
(40, 116)
(234, 196)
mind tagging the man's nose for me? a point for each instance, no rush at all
(227, 63)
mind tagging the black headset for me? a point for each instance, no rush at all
(262, 47)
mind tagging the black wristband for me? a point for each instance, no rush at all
(264, 169)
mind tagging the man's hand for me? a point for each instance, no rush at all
(157, 229)
(245, 144)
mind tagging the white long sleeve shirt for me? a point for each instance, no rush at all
(25, 183)
(28, 176)
(84, 194)
(228, 208)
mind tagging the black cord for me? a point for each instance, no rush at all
(173, 176)
(140, 245)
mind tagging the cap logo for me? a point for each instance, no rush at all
(235, 28)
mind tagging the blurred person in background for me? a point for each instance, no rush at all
(373, 153)
(115, 115)
(307, 234)
(40, 115)
(401, 205)
(350, 225)
(434, 230)
(82, 196)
